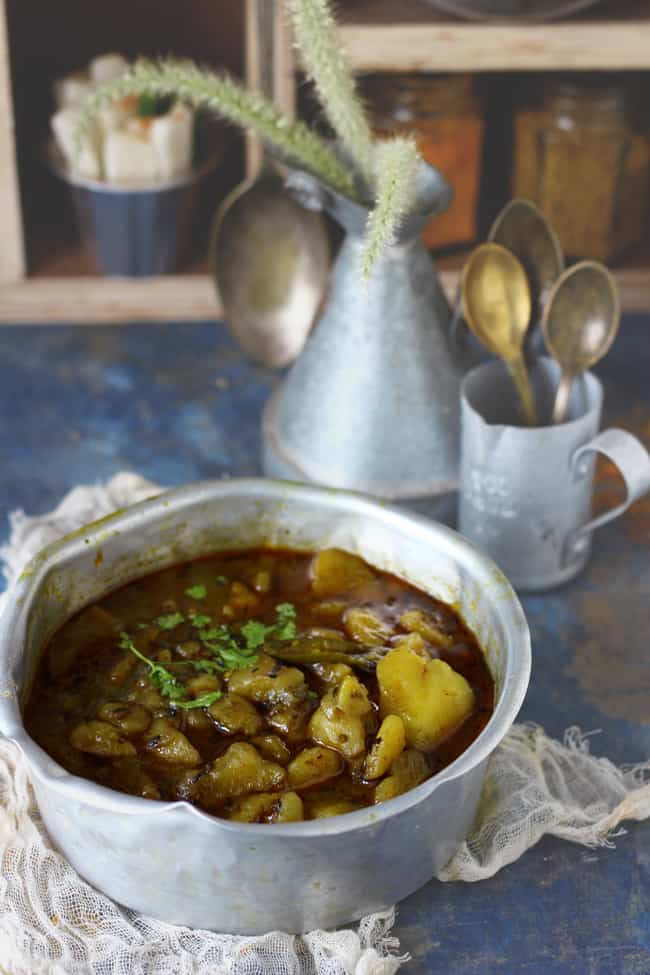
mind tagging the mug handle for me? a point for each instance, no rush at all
(631, 459)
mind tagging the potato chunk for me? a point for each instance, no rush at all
(101, 738)
(238, 772)
(334, 572)
(325, 804)
(169, 746)
(131, 719)
(389, 744)
(332, 674)
(352, 697)
(313, 766)
(268, 682)
(234, 715)
(338, 722)
(268, 807)
(203, 684)
(365, 626)
(417, 621)
(430, 697)
(272, 748)
(241, 601)
(291, 722)
(409, 770)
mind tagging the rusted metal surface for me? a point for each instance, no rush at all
(178, 403)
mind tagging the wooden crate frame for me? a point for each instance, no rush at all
(376, 38)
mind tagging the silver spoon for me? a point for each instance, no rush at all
(580, 323)
(269, 256)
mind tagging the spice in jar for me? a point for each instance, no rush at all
(582, 157)
(444, 114)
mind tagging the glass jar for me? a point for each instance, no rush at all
(444, 114)
(583, 158)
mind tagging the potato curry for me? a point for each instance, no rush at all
(262, 686)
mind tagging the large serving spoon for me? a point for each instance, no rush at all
(497, 307)
(269, 256)
(524, 230)
(580, 323)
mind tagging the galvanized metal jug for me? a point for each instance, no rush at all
(372, 403)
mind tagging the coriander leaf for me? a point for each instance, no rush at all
(231, 656)
(285, 628)
(216, 633)
(222, 580)
(143, 626)
(255, 633)
(170, 622)
(199, 621)
(159, 676)
(196, 592)
(199, 702)
(206, 666)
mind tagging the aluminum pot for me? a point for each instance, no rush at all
(169, 859)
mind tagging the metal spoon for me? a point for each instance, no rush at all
(524, 230)
(497, 306)
(269, 256)
(270, 259)
(580, 323)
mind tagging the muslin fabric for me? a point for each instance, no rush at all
(53, 923)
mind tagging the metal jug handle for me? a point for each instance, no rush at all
(631, 459)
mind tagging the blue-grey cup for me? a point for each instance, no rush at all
(135, 231)
(526, 493)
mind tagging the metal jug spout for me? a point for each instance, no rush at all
(372, 403)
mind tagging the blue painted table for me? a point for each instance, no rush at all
(178, 403)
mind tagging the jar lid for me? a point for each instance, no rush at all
(406, 97)
(596, 91)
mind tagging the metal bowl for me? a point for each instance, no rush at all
(177, 863)
(512, 9)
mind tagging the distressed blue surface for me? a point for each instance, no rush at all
(178, 403)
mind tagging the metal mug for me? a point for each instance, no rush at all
(526, 493)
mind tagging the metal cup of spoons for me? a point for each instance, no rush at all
(497, 307)
(580, 323)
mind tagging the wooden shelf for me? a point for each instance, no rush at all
(89, 300)
(380, 35)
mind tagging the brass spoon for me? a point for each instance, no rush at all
(580, 323)
(524, 230)
(497, 307)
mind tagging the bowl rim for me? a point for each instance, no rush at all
(22, 594)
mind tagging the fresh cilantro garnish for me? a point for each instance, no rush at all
(205, 666)
(143, 626)
(159, 676)
(170, 622)
(204, 701)
(215, 633)
(232, 656)
(285, 628)
(255, 633)
(222, 580)
(196, 592)
(199, 621)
